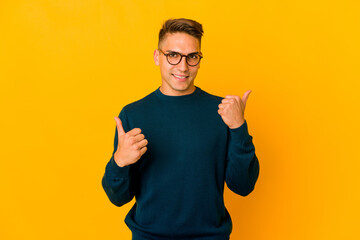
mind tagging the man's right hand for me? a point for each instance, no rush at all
(131, 145)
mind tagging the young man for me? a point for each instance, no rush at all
(175, 148)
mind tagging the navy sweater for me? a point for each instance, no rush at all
(178, 183)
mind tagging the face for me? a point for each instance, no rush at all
(177, 79)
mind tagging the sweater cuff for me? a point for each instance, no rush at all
(122, 171)
(241, 133)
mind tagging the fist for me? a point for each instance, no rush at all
(232, 108)
(131, 145)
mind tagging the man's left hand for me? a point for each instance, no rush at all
(231, 109)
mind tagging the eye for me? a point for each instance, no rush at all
(193, 56)
(173, 54)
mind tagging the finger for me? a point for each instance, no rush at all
(142, 143)
(119, 126)
(143, 150)
(228, 100)
(236, 97)
(139, 137)
(245, 97)
(134, 132)
(222, 105)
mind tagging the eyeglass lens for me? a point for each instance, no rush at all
(191, 59)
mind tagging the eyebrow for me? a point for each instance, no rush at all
(171, 51)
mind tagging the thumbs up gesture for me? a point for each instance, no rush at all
(231, 109)
(131, 145)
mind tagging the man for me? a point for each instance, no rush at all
(175, 148)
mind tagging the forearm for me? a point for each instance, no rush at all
(242, 168)
(117, 183)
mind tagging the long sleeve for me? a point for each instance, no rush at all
(242, 166)
(117, 181)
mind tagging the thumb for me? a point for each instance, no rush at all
(119, 126)
(245, 97)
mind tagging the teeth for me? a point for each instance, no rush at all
(182, 77)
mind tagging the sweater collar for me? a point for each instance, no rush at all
(177, 98)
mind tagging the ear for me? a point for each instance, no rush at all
(156, 57)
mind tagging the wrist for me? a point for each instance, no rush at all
(237, 125)
(119, 161)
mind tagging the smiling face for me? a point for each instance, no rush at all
(177, 79)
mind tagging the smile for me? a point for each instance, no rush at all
(180, 77)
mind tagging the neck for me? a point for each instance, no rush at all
(171, 92)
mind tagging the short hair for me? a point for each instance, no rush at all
(184, 25)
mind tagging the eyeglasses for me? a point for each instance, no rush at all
(175, 58)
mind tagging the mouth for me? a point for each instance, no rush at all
(180, 77)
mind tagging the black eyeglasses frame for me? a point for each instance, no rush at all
(182, 55)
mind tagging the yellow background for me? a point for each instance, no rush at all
(68, 67)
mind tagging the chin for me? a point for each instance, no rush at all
(182, 88)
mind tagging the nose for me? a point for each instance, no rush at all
(182, 65)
